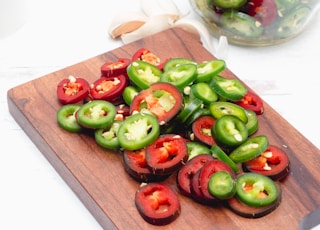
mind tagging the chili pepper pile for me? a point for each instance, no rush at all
(179, 116)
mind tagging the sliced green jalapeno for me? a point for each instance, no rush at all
(256, 190)
(231, 89)
(230, 4)
(293, 21)
(222, 185)
(129, 93)
(204, 92)
(229, 131)
(250, 149)
(207, 69)
(196, 148)
(175, 62)
(222, 108)
(143, 74)
(221, 155)
(190, 107)
(252, 124)
(138, 131)
(107, 137)
(180, 76)
(66, 118)
(241, 23)
(96, 114)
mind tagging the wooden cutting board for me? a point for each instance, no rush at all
(97, 176)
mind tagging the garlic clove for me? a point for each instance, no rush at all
(126, 23)
(154, 25)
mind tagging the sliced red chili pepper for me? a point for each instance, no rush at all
(72, 90)
(108, 88)
(157, 203)
(201, 128)
(265, 11)
(251, 101)
(167, 154)
(273, 162)
(161, 99)
(113, 69)
(186, 172)
(146, 55)
(135, 164)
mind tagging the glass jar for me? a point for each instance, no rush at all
(256, 22)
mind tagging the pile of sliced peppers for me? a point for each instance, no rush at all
(173, 111)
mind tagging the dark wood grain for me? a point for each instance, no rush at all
(97, 175)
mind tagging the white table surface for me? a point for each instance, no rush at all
(60, 33)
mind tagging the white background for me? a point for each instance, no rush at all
(60, 33)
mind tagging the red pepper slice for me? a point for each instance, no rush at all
(72, 90)
(108, 88)
(162, 99)
(136, 166)
(167, 154)
(186, 172)
(201, 128)
(265, 11)
(157, 203)
(146, 55)
(273, 163)
(113, 69)
(252, 102)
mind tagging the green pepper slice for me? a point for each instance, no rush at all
(241, 23)
(293, 21)
(230, 89)
(129, 93)
(229, 131)
(250, 149)
(196, 148)
(96, 114)
(138, 131)
(252, 124)
(222, 108)
(66, 118)
(143, 74)
(230, 4)
(175, 62)
(204, 92)
(284, 6)
(107, 137)
(222, 185)
(207, 69)
(180, 76)
(190, 107)
(256, 190)
(221, 155)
